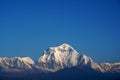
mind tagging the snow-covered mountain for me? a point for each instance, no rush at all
(64, 56)
(57, 58)
(111, 67)
(16, 63)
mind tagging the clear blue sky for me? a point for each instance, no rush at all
(92, 27)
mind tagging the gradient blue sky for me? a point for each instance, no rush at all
(92, 27)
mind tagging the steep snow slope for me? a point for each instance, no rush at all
(16, 63)
(110, 67)
(56, 58)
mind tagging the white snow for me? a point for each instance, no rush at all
(28, 60)
(56, 58)
(16, 62)
(61, 57)
(111, 67)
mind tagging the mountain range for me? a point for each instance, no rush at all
(58, 63)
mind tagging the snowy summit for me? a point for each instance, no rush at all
(56, 58)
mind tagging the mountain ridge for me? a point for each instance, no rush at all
(54, 59)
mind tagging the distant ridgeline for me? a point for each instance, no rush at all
(58, 63)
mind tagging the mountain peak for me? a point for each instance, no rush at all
(64, 45)
(28, 60)
(59, 57)
(56, 58)
(16, 63)
(63, 48)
